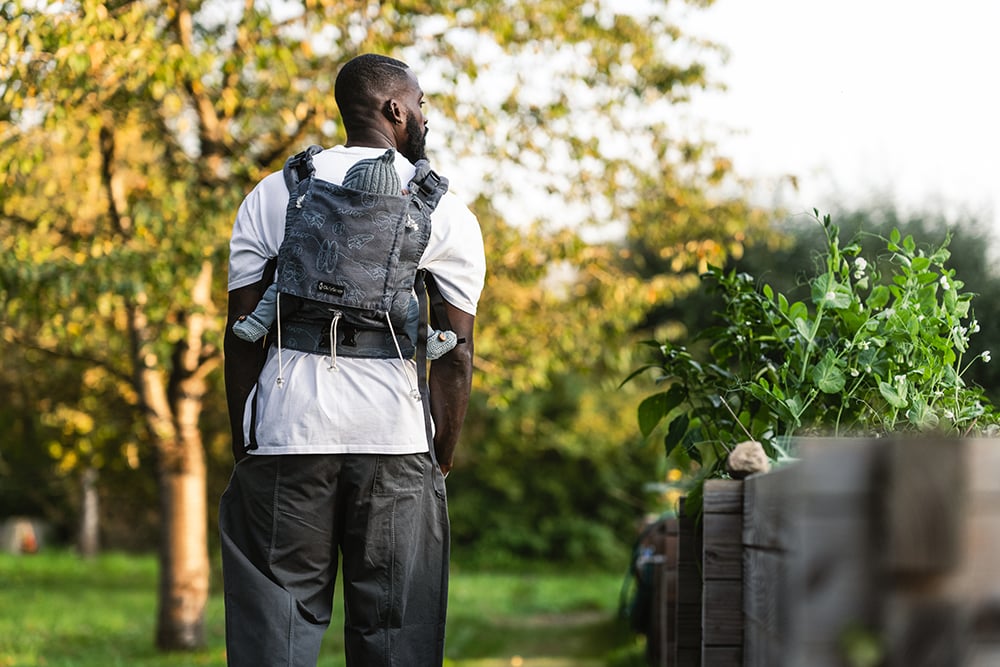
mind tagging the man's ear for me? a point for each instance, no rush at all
(393, 112)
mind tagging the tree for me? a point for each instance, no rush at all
(130, 131)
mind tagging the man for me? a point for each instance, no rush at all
(333, 462)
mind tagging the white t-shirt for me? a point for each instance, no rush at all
(366, 406)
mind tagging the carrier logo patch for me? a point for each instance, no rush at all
(328, 288)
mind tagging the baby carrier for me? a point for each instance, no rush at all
(349, 262)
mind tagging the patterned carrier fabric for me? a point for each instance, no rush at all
(354, 253)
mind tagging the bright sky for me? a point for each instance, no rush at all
(859, 98)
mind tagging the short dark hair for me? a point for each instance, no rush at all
(363, 82)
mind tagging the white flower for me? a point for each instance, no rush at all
(975, 326)
(868, 369)
(830, 296)
(944, 282)
(986, 356)
(948, 414)
(863, 345)
(860, 264)
(900, 378)
(854, 372)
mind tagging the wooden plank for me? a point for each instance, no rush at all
(722, 546)
(923, 495)
(760, 647)
(722, 656)
(982, 465)
(661, 642)
(838, 467)
(833, 580)
(819, 534)
(689, 588)
(723, 496)
(816, 655)
(984, 655)
(925, 633)
(722, 613)
(764, 606)
(977, 578)
(767, 507)
(688, 657)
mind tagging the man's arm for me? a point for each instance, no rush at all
(450, 384)
(244, 360)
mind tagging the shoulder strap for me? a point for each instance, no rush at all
(437, 308)
(427, 185)
(425, 398)
(299, 167)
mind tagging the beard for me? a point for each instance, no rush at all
(416, 141)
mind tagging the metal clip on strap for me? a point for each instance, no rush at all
(427, 185)
(299, 167)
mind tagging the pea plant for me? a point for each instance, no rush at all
(879, 346)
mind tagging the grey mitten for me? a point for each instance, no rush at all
(249, 328)
(440, 343)
(252, 327)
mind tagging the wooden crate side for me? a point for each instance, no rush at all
(897, 538)
(723, 656)
(764, 607)
(689, 587)
(923, 504)
(722, 546)
(723, 496)
(661, 641)
(722, 587)
(767, 507)
(722, 613)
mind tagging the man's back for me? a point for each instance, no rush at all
(366, 405)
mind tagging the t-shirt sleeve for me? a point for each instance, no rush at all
(257, 231)
(455, 255)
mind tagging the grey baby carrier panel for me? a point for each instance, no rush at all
(350, 259)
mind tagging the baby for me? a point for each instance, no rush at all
(376, 175)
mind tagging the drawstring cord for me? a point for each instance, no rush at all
(414, 394)
(281, 367)
(333, 340)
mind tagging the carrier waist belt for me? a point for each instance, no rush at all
(314, 337)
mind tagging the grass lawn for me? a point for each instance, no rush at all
(57, 610)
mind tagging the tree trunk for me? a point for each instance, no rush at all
(89, 540)
(184, 564)
(173, 409)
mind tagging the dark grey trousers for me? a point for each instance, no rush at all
(283, 521)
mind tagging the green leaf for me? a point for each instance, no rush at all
(654, 408)
(878, 298)
(797, 310)
(828, 376)
(804, 328)
(828, 293)
(795, 407)
(676, 432)
(636, 373)
(922, 416)
(895, 398)
(782, 303)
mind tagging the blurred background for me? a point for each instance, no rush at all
(612, 150)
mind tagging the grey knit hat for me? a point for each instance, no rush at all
(376, 175)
